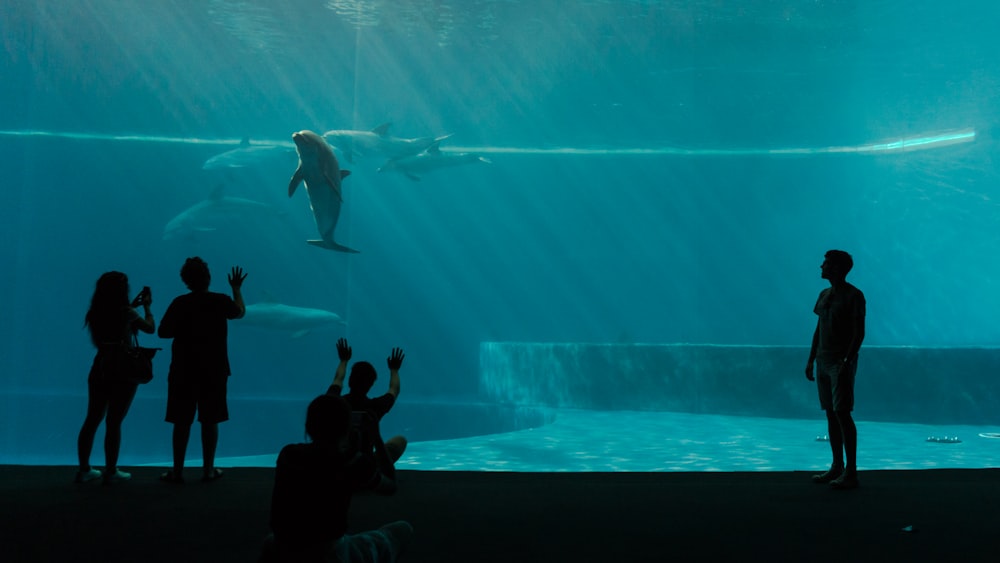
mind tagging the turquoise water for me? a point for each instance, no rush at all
(580, 440)
(659, 172)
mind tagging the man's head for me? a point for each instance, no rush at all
(836, 265)
(195, 275)
(328, 419)
(362, 378)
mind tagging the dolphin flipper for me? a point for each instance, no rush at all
(330, 245)
(296, 180)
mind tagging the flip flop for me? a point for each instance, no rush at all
(216, 474)
(171, 477)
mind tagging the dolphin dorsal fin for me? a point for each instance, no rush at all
(344, 174)
(245, 142)
(435, 147)
(382, 130)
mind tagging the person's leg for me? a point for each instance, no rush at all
(209, 441)
(395, 447)
(399, 535)
(836, 438)
(843, 402)
(97, 406)
(850, 432)
(181, 407)
(383, 545)
(181, 435)
(212, 409)
(824, 386)
(120, 399)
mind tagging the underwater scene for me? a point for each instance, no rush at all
(595, 228)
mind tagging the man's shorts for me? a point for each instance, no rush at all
(207, 396)
(835, 382)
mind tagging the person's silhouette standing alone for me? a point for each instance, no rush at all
(835, 345)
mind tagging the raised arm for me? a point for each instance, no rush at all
(344, 354)
(236, 277)
(395, 361)
(146, 323)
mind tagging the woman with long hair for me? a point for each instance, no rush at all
(112, 320)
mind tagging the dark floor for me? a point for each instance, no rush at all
(523, 517)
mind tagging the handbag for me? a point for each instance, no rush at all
(130, 364)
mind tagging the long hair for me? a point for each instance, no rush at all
(107, 314)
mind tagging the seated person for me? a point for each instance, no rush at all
(313, 485)
(368, 412)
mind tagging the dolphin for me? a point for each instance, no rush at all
(322, 175)
(210, 214)
(247, 155)
(429, 160)
(378, 141)
(297, 321)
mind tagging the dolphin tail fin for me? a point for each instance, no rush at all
(330, 245)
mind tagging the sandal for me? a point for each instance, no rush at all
(171, 477)
(213, 475)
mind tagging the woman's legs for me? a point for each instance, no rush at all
(97, 407)
(120, 400)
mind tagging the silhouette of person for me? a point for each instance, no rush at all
(199, 363)
(313, 486)
(368, 412)
(836, 341)
(112, 321)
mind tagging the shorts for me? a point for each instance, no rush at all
(835, 382)
(207, 396)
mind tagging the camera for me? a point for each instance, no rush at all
(143, 296)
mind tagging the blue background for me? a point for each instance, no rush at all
(540, 245)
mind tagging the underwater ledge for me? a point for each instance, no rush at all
(910, 384)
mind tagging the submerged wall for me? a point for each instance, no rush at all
(899, 384)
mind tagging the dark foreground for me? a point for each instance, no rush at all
(523, 517)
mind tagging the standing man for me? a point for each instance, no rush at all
(199, 363)
(835, 344)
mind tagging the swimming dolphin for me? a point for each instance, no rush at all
(429, 160)
(378, 141)
(216, 211)
(322, 175)
(297, 321)
(247, 155)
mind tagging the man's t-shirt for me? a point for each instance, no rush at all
(197, 322)
(839, 312)
(366, 415)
